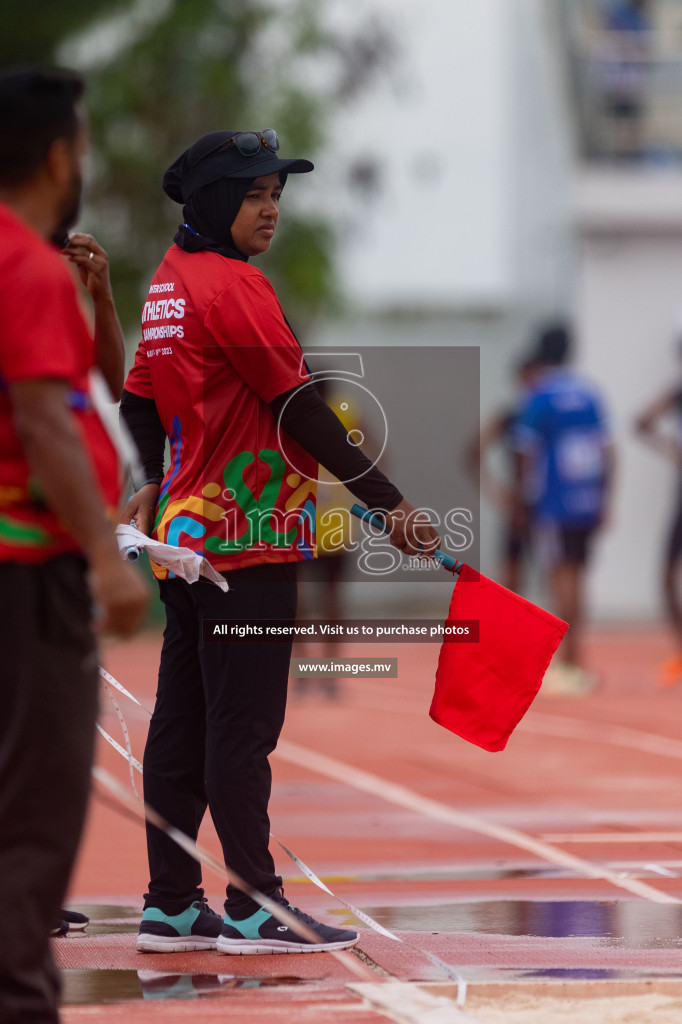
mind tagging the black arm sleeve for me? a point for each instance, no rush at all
(141, 417)
(311, 423)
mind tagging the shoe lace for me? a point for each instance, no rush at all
(300, 915)
(303, 917)
(279, 897)
(203, 905)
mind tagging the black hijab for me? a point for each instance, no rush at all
(209, 213)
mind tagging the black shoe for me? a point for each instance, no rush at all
(197, 927)
(61, 929)
(76, 922)
(263, 933)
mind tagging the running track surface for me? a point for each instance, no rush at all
(548, 877)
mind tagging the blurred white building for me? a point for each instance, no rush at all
(493, 211)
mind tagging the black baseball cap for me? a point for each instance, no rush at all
(206, 161)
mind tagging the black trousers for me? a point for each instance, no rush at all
(48, 709)
(218, 715)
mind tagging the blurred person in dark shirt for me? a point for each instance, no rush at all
(651, 426)
(498, 432)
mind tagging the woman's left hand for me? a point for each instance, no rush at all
(92, 262)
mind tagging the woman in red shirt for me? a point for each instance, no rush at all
(220, 373)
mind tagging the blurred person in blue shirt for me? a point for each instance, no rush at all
(564, 476)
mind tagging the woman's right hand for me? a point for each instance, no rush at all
(141, 509)
(411, 530)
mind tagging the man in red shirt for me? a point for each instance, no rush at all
(58, 481)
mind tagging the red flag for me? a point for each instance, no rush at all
(484, 689)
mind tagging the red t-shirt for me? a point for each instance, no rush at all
(42, 336)
(215, 350)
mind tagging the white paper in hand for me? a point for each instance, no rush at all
(184, 562)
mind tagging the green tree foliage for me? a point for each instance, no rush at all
(31, 30)
(161, 73)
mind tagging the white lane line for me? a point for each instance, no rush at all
(410, 1003)
(403, 797)
(549, 725)
(661, 870)
(612, 837)
(602, 732)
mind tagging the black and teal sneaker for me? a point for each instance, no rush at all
(197, 927)
(263, 933)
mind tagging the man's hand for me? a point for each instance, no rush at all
(119, 592)
(92, 262)
(411, 530)
(141, 508)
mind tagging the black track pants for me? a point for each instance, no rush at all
(218, 715)
(48, 709)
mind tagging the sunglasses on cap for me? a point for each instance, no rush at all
(249, 143)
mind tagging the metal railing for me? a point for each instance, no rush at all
(626, 85)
